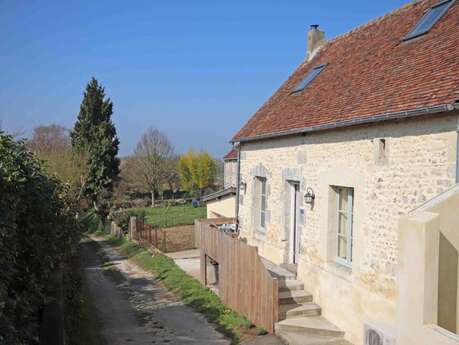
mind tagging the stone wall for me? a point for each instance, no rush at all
(414, 162)
(230, 173)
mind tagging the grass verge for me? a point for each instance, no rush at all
(190, 290)
(173, 215)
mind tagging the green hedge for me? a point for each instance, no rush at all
(38, 231)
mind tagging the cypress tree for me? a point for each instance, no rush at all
(94, 137)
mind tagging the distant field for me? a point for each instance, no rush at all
(175, 215)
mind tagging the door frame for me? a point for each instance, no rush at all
(293, 238)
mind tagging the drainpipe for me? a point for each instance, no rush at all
(237, 146)
(457, 145)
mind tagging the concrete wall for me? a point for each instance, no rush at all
(224, 207)
(230, 173)
(428, 287)
(414, 163)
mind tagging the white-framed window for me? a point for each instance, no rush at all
(344, 217)
(262, 201)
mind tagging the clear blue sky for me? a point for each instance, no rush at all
(197, 70)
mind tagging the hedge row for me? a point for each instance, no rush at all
(38, 231)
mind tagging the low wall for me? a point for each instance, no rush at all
(428, 296)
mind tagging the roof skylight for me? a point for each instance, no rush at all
(309, 78)
(429, 19)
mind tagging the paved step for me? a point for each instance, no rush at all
(314, 325)
(296, 296)
(290, 267)
(277, 271)
(293, 338)
(291, 311)
(290, 284)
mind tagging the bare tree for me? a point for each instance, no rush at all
(49, 139)
(52, 144)
(154, 151)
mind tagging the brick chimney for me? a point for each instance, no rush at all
(316, 38)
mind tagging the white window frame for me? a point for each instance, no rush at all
(263, 201)
(349, 231)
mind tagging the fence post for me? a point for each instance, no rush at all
(132, 227)
(140, 228)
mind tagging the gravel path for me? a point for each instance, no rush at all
(134, 308)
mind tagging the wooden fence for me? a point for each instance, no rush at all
(201, 225)
(167, 240)
(244, 283)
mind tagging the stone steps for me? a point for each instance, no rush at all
(290, 311)
(290, 285)
(277, 271)
(292, 338)
(301, 322)
(312, 325)
(294, 297)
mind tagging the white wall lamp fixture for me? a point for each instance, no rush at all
(309, 196)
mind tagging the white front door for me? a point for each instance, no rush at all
(293, 236)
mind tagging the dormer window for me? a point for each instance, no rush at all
(430, 18)
(308, 79)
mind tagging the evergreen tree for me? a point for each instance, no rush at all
(94, 134)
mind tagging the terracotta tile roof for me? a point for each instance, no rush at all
(370, 71)
(231, 155)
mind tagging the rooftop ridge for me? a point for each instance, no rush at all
(360, 27)
(376, 20)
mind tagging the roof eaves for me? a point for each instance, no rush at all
(354, 122)
(219, 194)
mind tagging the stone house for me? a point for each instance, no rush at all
(230, 169)
(364, 131)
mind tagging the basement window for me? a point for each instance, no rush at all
(429, 19)
(309, 78)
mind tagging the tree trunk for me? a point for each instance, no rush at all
(172, 190)
(152, 198)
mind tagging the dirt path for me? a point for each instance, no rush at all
(134, 308)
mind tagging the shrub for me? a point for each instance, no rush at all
(122, 217)
(38, 231)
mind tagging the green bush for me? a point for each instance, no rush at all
(38, 231)
(121, 218)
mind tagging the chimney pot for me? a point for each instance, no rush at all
(316, 38)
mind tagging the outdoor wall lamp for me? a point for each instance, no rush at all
(309, 196)
(243, 186)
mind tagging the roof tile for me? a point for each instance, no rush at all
(370, 71)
